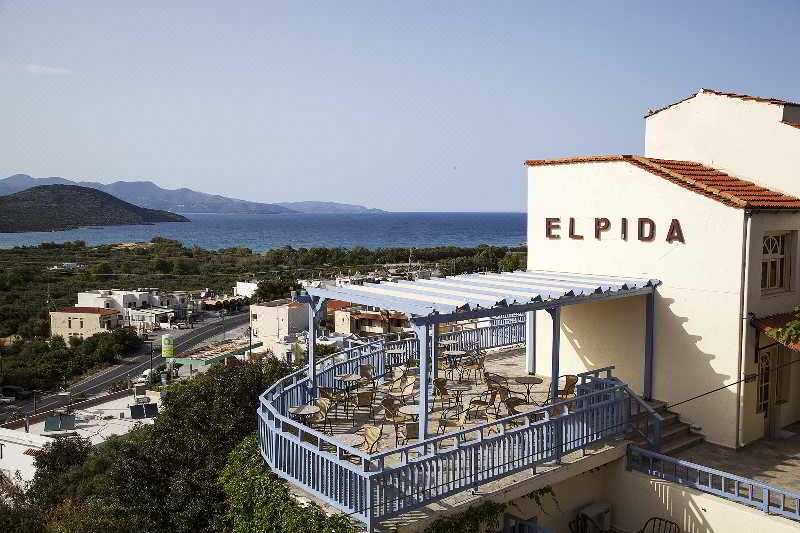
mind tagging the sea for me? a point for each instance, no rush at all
(266, 232)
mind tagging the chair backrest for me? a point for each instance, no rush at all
(408, 388)
(390, 407)
(366, 371)
(511, 404)
(364, 398)
(657, 524)
(324, 405)
(440, 385)
(569, 384)
(327, 392)
(372, 435)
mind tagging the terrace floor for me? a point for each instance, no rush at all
(776, 461)
(509, 363)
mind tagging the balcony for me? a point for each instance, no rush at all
(436, 459)
(374, 487)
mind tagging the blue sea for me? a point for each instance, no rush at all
(265, 232)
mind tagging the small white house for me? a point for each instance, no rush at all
(245, 288)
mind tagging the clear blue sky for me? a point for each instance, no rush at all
(398, 105)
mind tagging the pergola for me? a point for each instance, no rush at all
(430, 302)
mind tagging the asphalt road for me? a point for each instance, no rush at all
(135, 365)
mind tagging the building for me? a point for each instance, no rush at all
(245, 288)
(277, 325)
(366, 322)
(83, 322)
(655, 287)
(710, 211)
(182, 304)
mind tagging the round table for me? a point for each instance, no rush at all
(453, 357)
(529, 382)
(304, 411)
(411, 410)
(459, 391)
(350, 439)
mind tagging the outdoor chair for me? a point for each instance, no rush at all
(322, 418)
(367, 373)
(453, 419)
(570, 381)
(475, 367)
(406, 392)
(393, 380)
(485, 401)
(660, 525)
(398, 420)
(584, 524)
(331, 394)
(445, 368)
(441, 393)
(363, 400)
(372, 437)
(493, 379)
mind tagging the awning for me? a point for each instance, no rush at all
(769, 324)
(471, 295)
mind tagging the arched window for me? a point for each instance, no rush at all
(775, 264)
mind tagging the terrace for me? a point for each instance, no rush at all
(376, 463)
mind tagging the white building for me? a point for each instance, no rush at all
(711, 210)
(277, 325)
(179, 304)
(245, 288)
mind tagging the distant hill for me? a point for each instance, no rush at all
(327, 207)
(148, 194)
(60, 207)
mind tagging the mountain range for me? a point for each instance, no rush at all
(60, 207)
(149, 195)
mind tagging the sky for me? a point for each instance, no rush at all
(404, 106)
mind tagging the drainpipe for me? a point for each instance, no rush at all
(743, 320)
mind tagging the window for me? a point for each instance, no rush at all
(69, 323)
(81, 324)
(775, 262)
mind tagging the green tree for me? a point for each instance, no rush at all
(257, 500)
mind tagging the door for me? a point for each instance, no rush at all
(768, 377)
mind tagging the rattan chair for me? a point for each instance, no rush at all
(660, 525)
(406, 392)
(392, 416)
(325, 405)
(441, 393)
(363, 400)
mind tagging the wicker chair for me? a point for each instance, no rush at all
(372, 437)
(475, 367)
(323, 417)
(441, 393)
(363, 400)
(660, 525)
(397, 419)
(406, 392)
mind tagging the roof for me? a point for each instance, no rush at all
(696, 177)
(792, 124)
(89, 310)
(768, 324)
(774, 101)
(514, 291)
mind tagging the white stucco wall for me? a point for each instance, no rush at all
(697, 307)
(742, 137)
(762, 305)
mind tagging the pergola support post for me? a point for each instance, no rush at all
(435, 350)
(530, 342)
(314, 310)
(555, 313)
(649, 344)
(423, 332)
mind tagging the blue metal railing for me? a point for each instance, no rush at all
(373, 487)
(769, 499)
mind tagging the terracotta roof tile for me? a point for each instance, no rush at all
(775, 101)
(698, 178)
(90, 310)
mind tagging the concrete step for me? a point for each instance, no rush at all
(680, 442)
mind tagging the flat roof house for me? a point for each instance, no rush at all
(641, 327)
(83, 322)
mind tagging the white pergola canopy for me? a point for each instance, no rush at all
(477, 295)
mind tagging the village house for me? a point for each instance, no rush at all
(83, 322)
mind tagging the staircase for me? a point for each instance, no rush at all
(676, 436)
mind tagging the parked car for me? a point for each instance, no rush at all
(6, 400)
(17, 392)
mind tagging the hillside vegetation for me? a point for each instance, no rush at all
(60, 207)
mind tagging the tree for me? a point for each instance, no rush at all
(257, 500)
(58, 457)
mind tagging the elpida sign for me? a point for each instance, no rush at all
(643, 229)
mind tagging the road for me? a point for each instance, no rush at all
(135, 365)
